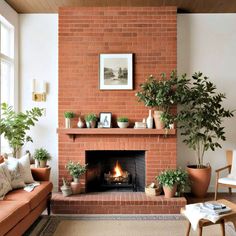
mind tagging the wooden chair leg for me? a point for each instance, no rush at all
(200, 231)
(222, 225)
(188, 229)
(230, 191)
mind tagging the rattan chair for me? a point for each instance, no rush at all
(228, 181)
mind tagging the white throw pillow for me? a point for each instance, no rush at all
(5, 185)
(24, 165)
(16, 179)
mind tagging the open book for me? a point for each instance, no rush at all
(30, 187)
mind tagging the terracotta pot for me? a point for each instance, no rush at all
(42, 163)
(200, 180)
(75, 187)
(170, 192)
(157, 118)
(93, 124)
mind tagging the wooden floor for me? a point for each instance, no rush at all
(210, 197)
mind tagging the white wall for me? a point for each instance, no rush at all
(39, 60)
(11, 15)
(207, 43)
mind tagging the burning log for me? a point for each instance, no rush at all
(119, 176)
(110, 178)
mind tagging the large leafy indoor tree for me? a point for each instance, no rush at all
(201, 116)
(14, 126)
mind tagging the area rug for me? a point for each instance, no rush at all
(120, 225)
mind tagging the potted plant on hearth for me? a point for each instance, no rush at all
(200, 121)
(76, 170)
(159, 95)
(68, 116)
(91, 120)
(172, 180)
(14, 126)
(123, 122)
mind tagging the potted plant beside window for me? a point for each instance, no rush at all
(158, 95)
(75, 170)
(200, 121)
(91, 120)
(14, 126)
(68, 116)
(123, 122)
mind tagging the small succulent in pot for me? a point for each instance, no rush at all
(68, 116)
(91, 120)
(42, 156)
(122, 122)
(76, 170)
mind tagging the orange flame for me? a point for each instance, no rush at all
(118, 170)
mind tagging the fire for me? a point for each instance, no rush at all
(118, 170)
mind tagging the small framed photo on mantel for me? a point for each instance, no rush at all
(116, 71)
(105, 119)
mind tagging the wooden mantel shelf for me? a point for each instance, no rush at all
(73, 132)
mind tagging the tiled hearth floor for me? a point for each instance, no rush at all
(115, 203)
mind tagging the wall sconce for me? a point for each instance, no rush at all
(39, 96)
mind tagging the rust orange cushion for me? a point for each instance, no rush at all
(11, 213)
(33, 198)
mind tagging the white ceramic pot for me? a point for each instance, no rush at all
(67, 123)
(123, 125)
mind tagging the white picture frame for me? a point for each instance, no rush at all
(116, 71)
(105, 119)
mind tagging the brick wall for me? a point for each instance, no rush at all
(147, 32)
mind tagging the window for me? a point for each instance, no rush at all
(6, 68)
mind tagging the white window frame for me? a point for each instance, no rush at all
(10, 59)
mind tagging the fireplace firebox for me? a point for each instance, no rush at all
(115, 171)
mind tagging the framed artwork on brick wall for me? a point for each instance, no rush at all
(116, 71)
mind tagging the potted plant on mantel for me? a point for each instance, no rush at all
(75, 170)
(91, 120)
(123, 122)
(200, 120)
(14, 125)
(159, 94)
(171, 180)
(68, 116)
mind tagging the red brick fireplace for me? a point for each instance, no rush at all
(147, 32)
